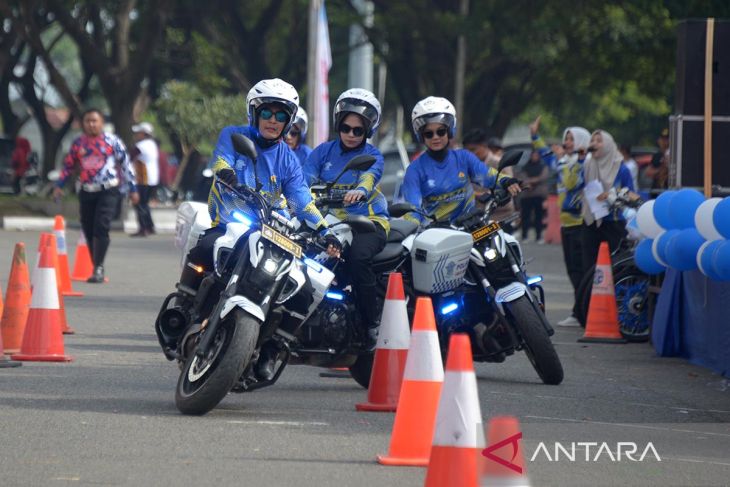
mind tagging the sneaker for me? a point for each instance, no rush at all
(141, 233)
(540, 241)
(264, 369)
(570, 321)
(98, 275)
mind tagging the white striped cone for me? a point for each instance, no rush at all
(391, 351)
(459, 434)
(423, 376)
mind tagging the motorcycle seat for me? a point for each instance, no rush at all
(400, 229)
(390, 251)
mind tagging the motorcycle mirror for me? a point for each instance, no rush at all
(363, 162)
(360, 224)
(397, 210)
(513, 158)
(244, 145)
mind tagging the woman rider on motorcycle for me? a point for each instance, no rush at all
(440, 180)
(272, 104)
(356, 116)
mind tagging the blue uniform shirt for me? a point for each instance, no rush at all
(277, 169)
(328, 159)
(444, 189)
(302, 152)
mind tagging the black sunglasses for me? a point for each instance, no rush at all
(294, 133)
(267, 113)
(428, 134)
(356, 131)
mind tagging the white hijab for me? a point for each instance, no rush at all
(581, 138)
(603, 166)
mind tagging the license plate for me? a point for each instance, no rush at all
(281, 241)
(485, 231)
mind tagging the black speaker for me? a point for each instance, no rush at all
(690, 80)
(689, 162)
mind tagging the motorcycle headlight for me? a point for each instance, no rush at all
(490, 254)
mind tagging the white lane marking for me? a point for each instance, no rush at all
(279, 423)
(633, 425)
(690, 460)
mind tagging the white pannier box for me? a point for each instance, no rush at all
(439, 258)
(192, 220)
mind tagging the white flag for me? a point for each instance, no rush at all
(323, 63)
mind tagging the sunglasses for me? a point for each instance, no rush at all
(267, 113)
(294, 133)
(356, 131)
(428, 134)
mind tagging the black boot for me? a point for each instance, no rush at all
(268, 355)
(366, 298)
(98, 275)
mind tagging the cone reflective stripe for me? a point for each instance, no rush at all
(459, 435)
(42, 338)
(51, 244)
(59, 230)
(83, 266)
(602, 321)
(41, 244)
(17, 302)
(415, 417)
(391, 350)
(501, 463)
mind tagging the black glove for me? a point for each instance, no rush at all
(330, 239)
(228, 176)
(507, 182)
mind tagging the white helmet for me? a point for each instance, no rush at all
(360, 102)
(272, 91)
(302, 121)
(433, 109)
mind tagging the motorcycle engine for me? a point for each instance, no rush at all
(328, 327)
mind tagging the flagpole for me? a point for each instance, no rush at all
(312, 70)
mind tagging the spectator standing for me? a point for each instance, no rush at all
(147, 171)
(630, 164)
(19, 161)
(658, 170)
(97, 154)
(535, 174)
(570, 198)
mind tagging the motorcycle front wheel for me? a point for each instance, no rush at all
(204, 382)
(538, 347)
(362, 369)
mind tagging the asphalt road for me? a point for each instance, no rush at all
(108, 417)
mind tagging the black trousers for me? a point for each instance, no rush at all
(358, 265)
(97, 210)
(144, 216)
(532, 214)
(572, 239)
(593, 235)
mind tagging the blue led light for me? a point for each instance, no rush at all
(241, 218)
(337, 296)
(449, 308)
(533, 280)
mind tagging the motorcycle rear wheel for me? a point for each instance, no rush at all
(538, 347)
(203, 383)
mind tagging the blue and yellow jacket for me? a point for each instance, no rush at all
(277, 169)
(444, 189)
(325, 163)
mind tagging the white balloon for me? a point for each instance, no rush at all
(653, 248)
(703, 220)
(648, 225)
(699, 256)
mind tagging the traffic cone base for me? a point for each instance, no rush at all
(17, 302)
(502, 462)
(602, 321)
(419, 425)
(387, 363)
(465, 475)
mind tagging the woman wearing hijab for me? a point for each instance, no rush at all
(605, 166)
(570, 198)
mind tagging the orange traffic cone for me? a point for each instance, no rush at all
(42, 339)
(391, 350)
(59, 229)
(51, 244)
(552, 224)
(501, 463)
(415, 417)
(4, 362)
(602, 321)
(1, 301)
(83, 266)
(459, 435)
(17, 302)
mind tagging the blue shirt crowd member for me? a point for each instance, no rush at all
(356, 116)
(440, 180)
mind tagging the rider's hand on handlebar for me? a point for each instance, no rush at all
(353, 196)
(332, 244)
(512, 185)
(228, 176)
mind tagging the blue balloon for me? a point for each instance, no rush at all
(706, 259)
(683, 206)
(663, 241)
(661, 209)
(721, 261)
(721, 217)
(681, 250)
(645, 259)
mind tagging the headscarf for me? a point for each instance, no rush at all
(581, 137)
(603, 166)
